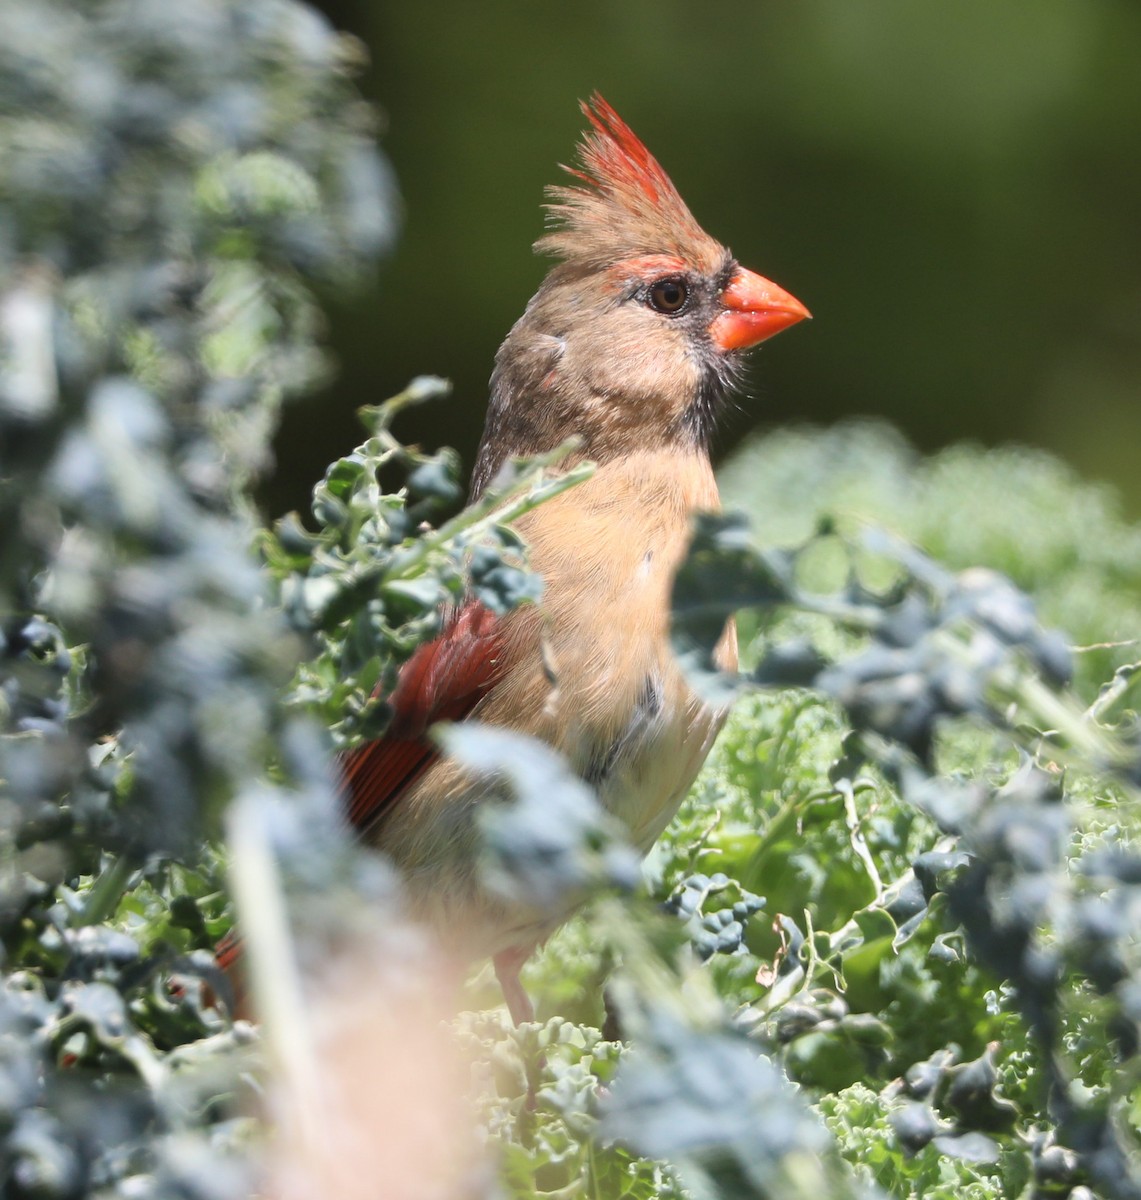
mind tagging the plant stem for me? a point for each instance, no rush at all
(106, 892)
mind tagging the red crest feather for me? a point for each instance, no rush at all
(628, 205)
(615, 157)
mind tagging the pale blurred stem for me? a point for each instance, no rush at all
(274, 979)
(106, 892)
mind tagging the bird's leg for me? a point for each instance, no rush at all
(612, 1018)
(508, 964)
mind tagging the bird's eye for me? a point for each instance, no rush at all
(669, 296)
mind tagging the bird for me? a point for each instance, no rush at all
(633, 343)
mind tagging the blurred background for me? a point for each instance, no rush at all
(953, 189)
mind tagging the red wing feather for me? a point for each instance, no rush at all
(442, 681)
(228, 951)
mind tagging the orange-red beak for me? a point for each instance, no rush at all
(754, 309)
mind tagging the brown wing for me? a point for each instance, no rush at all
(442, 681)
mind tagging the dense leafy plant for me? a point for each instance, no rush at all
(945, 957)
(888, 946)
(170, 190)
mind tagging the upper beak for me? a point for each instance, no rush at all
(754, 309)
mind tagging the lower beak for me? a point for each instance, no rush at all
(753, 308)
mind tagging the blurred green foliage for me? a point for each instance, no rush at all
(1017, 510)
(170, 193)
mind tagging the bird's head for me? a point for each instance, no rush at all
(639, 330)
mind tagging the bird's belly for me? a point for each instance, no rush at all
(641, 777)
(592, 674)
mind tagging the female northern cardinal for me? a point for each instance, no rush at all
(632, 342)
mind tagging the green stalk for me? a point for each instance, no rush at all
(498, 508)
(106, 892)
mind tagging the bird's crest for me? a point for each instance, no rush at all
(625, 204)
